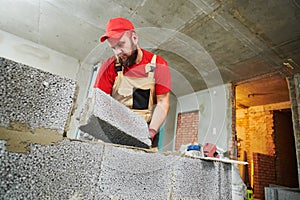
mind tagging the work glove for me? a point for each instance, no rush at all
(152, 133)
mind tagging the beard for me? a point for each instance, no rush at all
(130, 60)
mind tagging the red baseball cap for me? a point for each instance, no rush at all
(116, 27)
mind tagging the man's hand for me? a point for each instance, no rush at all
(152, 134)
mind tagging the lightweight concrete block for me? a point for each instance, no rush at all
(130, 174)
(199, 179)
(225, 180)
(34, 97)
(68, 170)
(288, 194)
(110, 121)
(84, 170)
(281, 193)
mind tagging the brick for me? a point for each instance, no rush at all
(187, 128)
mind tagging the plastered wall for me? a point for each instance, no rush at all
(38, 56)
(214, 114)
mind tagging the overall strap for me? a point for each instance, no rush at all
(150, 67)
(118, 65)
(119, 70)
(153, 63)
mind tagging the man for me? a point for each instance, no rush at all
(135, 77)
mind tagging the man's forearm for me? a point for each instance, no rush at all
(160, 112)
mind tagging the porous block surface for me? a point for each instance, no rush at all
(197, 179)
(34, 97)
(110, 121)
(61, 171)
(133, 174)
(83, 170)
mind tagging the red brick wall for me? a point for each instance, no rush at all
(187, 128)
(264, 173)
(254, 127)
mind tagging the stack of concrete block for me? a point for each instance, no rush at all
(70, 169)
(32, 96)
(110, 121)
(85, 170)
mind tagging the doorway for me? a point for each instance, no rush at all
(264, 129)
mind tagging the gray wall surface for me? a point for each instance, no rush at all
(32, 96)
(281, 193)
(83, 170)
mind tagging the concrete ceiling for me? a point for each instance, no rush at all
(206, 42)
(268, 89)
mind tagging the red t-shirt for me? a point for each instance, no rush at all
(107, 73)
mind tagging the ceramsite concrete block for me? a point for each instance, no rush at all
(276, 192)
(200, 179)
(68, 170)
(84, 170)
(132, 174)
(34, 97)
(110, 121)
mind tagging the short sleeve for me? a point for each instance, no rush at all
(163, 82)
(106, 76)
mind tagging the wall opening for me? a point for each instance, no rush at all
(264, 128)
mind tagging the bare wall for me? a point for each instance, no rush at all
(214, 115)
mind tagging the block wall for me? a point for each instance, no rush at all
(187, 128)
(34, 97)
(84, 170)
(69, 169)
